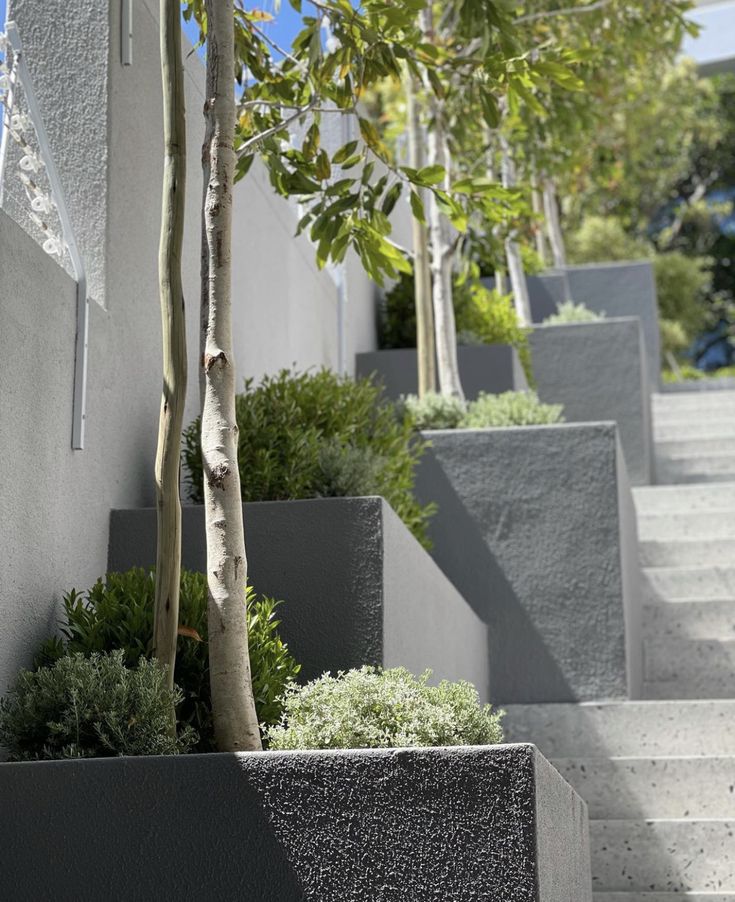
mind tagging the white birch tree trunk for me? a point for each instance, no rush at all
(425, 345)
(537, 205)
(513, 258)
(441, 241)
(233, 707)
(173, 320)
(553, 225)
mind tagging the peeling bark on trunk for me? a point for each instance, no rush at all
(173, 318)
(233, 707)
(553, 225)
(440, 238)
(512, 250)
(425, 345)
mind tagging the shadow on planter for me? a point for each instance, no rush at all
(598, 371)
(489, 368)
(491, 823)
(357, 586)
(536, 528)
(622, 289)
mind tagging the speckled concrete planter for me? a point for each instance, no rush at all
(355, 584)
(536, 528)
(489, 368)
(598, 371)
(486, 824)
(622, 289)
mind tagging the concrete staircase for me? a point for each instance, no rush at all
(659, 775)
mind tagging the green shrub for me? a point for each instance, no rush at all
(673, 336)
(373, 708)
(434, 411)
(602, 239)
(511, 408)
(91, 707)
(682, 286)
(118, 614)
(292, 428)
(691, 373)
(569, 312)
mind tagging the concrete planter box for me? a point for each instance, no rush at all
(488, 824)
(355, 582)
(622, 289)
(536, 528)
(490, 368)
(545, 292)
(598, 372)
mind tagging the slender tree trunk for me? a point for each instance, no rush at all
(233, 706)
(173, 318)
(440, 238)
(425, 345)
(537, 205)
(512, 250)
(553, 225)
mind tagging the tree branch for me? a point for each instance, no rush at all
(245, 148)
(567, 11)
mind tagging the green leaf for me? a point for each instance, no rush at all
(417, 207)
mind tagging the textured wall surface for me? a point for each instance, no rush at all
(531, 531)
(490, 368)
(357, 587)
(622, 289)
(598, 372)
(428, 825)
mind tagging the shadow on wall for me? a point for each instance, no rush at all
(521, 665)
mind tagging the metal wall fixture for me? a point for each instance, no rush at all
(126, 32)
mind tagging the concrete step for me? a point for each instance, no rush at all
(688, 668)
(673, 583)
(663, 897)
(692, 399)
(685, 428)
(690, 619)
(684, 499)
(685, 468)
(666, 787)
(703, 525)
(686, 552)
(625, 728)
(696, 445)
(663, 855)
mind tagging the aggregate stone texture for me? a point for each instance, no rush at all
(452, 825)
(488, 368)
(622, 289)
(355, 585)
(536, 528)
(598, 371)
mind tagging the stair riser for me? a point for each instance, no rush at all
(663, 855)
(693, 446)
(701, 526)
(686, 552)
(688, 472)
(684, 499)
(634, 788)
(650, 729)
(669, 583)
(689, 668)
(690, 620)
(663, 897)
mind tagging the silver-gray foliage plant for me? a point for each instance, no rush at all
(569, 312)
(87, 707)
(513, 408)
(375, 708)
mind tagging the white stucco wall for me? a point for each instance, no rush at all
(104, 122)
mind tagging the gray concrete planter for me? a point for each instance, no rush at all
(598, 371)
(536, 528)
(545, 292)
(622, 289)
(356, 585)
(487, 824)
(490, 368)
